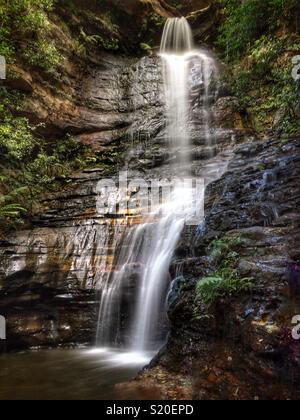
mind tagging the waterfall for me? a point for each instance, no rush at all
(177, 37)
(162, 237)
(145, 253)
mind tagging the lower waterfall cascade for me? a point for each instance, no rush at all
(145, 251)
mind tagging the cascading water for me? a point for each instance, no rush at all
(177, 37)
(162, 237)
(145, 252)
(177, 41)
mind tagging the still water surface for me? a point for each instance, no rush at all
(67, 374)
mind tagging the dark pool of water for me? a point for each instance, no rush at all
(67, 374)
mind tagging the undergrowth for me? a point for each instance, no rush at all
(259, 40)
(225, 282)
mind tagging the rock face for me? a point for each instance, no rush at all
(50, 275)
(244, 349)
(140, 7)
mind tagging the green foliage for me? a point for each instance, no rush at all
(79, 48)
(263, 83)
(16, 139)
(152, 26)
(43, 54)
(108, 24)
(24, 16)
(29, 166)
(147, 48)
(156, 20)
(108, 43)
(25, 29)
(8, 209)
(226, 282)
(225, 250)
(258, 41)
(244, 22)
(247, 20)
(7, 50)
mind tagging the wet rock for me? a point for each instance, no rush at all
(175, 290)
(50, 274)
(244, 350)
(230, 115)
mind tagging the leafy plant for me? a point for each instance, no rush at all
(147, 48)
(109, 43)
(247, 20)
(226, 281)
(224, 284)
(16, 139)
(156, 20)
(224, 250)
(44, 54)
(262, 81)
(26, 29)
(11, 211)
(29, 165)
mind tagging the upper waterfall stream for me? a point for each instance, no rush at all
(144, 253)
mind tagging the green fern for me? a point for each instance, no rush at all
(8, 207)
(13, 195)
(222, 285)
(11, 211)
(208, 289)
(226, 281)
